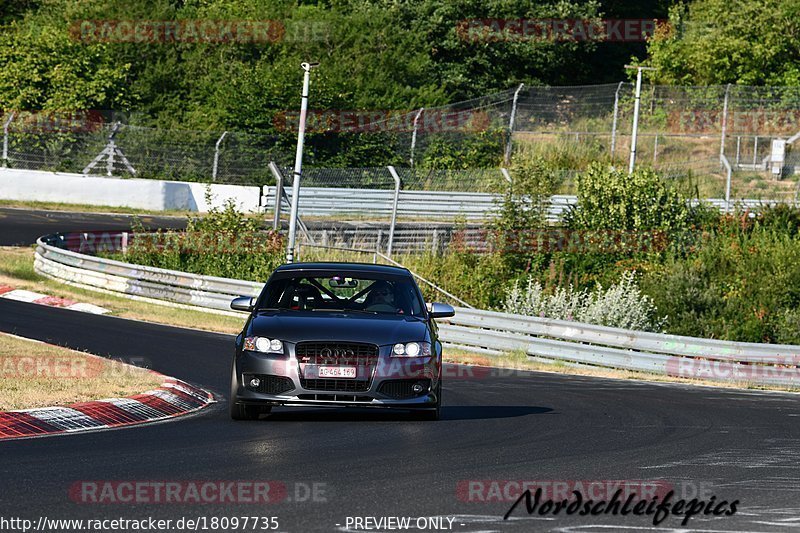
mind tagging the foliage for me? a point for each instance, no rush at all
(611, 199)
(717, 41)
(622, 305)
(223, 243)
(741, 282)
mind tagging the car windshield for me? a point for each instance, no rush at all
(330, 292)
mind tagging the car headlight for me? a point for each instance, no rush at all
(263, 345)
(411, 349)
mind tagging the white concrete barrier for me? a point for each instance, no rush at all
(152, 195)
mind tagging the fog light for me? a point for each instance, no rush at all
(417, 388)
(255, 382)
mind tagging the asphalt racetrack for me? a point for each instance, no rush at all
(326, 465)
(23, 226)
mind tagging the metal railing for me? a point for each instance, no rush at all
(472, 329)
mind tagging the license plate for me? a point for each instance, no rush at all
(336, 371)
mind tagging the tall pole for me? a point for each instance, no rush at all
(637, 100)
(298, 161)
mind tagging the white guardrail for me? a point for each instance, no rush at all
(329, 201)
(471, 329)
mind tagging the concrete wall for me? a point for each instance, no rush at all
(153, 195)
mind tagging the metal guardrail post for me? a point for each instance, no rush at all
(276, 172)
(614, 121)
(397, 184)
(414, 135)
(5, 137)
(507, 155)
(216, 156)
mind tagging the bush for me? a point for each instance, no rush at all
(613, 199)
(740, 283)
(621, 306)
(224, 243)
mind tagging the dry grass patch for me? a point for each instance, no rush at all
(35, 374)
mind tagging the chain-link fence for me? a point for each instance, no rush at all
(682, 132)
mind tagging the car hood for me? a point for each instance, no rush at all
(297, 326)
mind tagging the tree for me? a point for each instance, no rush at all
(729, 41)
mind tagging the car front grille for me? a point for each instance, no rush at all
(269, 384)
(362, 356)
(349, 398)
(400, 389)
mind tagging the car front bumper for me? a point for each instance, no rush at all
(387, 384)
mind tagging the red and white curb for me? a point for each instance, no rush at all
(21, 295)
(173, 398)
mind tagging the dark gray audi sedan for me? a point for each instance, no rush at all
(338, 334)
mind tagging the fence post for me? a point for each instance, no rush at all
(638, 99)
(414, 135)
(378, 240)
(755, 150)
(506, 175)
(5, 138)
(738, 146)
(724, 122)
(729, 170)
(511, 119)
(276, 219)
(614, 121)
(112, 147)
(655, 149)
(397, 183)
(216, 156)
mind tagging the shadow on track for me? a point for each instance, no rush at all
(465, 412)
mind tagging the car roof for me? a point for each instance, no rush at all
(339, 266)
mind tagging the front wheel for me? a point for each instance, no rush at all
(241, 411)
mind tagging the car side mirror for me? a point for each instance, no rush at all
(243, 303)
(440, 310)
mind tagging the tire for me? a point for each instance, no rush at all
(241, 411)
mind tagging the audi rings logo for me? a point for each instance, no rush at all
(337, 352)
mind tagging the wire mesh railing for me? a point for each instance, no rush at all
(457, 147)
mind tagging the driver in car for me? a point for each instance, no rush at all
(382, 299)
